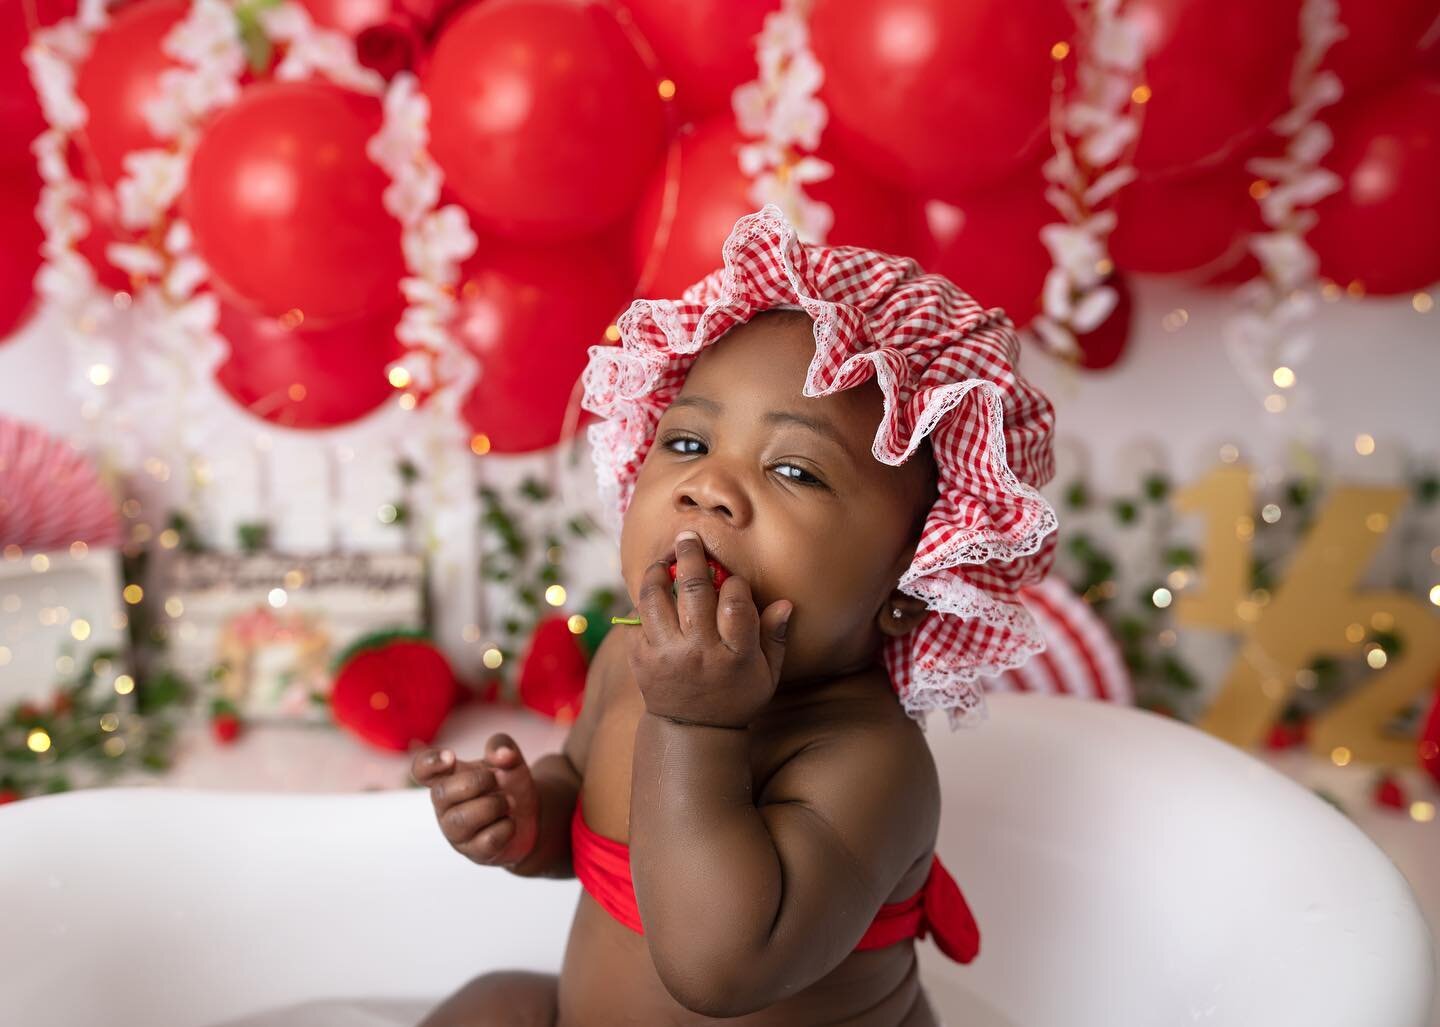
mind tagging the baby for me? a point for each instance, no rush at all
(842, 444)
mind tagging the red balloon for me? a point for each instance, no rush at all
(997, 256)
(1195, 224)
(1381, 43)
(710, 193)
(1383, 227)
(938, 96)
(706, 47)
(286, 205)
(305, 377)
(530, 314)
(348, 16)
(543, 117)
(20, 117)
(1204, 109)
(120, 78)
(20, 239)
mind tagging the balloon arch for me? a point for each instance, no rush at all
(333, 204)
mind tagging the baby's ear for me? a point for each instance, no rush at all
(900, 614)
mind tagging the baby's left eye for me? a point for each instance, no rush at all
(804, 474)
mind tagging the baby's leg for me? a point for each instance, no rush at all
(506, 998)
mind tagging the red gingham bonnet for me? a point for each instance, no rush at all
(946, 367)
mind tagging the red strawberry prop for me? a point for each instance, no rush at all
(552, 677)
(394, 694)
(226, 728)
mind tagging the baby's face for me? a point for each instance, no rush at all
(802, 513)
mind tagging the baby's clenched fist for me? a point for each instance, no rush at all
(488, 809)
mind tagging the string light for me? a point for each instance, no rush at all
(1270, 513)
(1229, 454)
(612, 333)
(38, 740)
(1355, 633)
(1175, 320)
(1340, 756)
(387, 513)
(296, 392)
(1275, 403)
(79, 550)
(277, 597)
(1284, 377)
(399, 378)
(555, 595)
(1141, 93)
(134, 594)
(1435, 595)
(80, 630)
(99, 374)
(39, 563)
(1377, 522)
(169, 538)
(124, 684)
(1364, 444)
(407, 401)
(1161, 598)
(666, 89)
(1422, 812)
(480, 444)
(1376, 658)
(1422, 302)
(1060, 50)
(174, 607)
(492, 658)
(471, 633)
(577, 623)
(1356, 289)
(13, 552)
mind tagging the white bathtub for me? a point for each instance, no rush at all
(1126, 871)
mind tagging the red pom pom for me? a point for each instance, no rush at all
(395, 694)
(226, 728)
(1389, 793)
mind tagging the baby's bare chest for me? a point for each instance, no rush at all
(606, 788)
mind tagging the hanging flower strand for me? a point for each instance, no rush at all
(1263, 337)
(781, 110)
(1095, 132)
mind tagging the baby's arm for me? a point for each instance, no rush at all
(747, 901)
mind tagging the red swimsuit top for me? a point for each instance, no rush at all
(603, 867)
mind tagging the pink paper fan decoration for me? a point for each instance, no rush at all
(51, 495)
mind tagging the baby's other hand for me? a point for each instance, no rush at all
(488, 809)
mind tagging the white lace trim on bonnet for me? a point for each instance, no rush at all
(947, 369)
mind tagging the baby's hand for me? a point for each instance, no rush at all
(488, 809)
(703, 657)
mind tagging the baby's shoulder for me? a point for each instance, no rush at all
(846, 735)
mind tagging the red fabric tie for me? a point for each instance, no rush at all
(603, 867)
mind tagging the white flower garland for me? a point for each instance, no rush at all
(781, 109)
(1094, 133)
(1263, 338)
(169, 322)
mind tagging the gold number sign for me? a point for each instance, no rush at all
(1314, 611)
